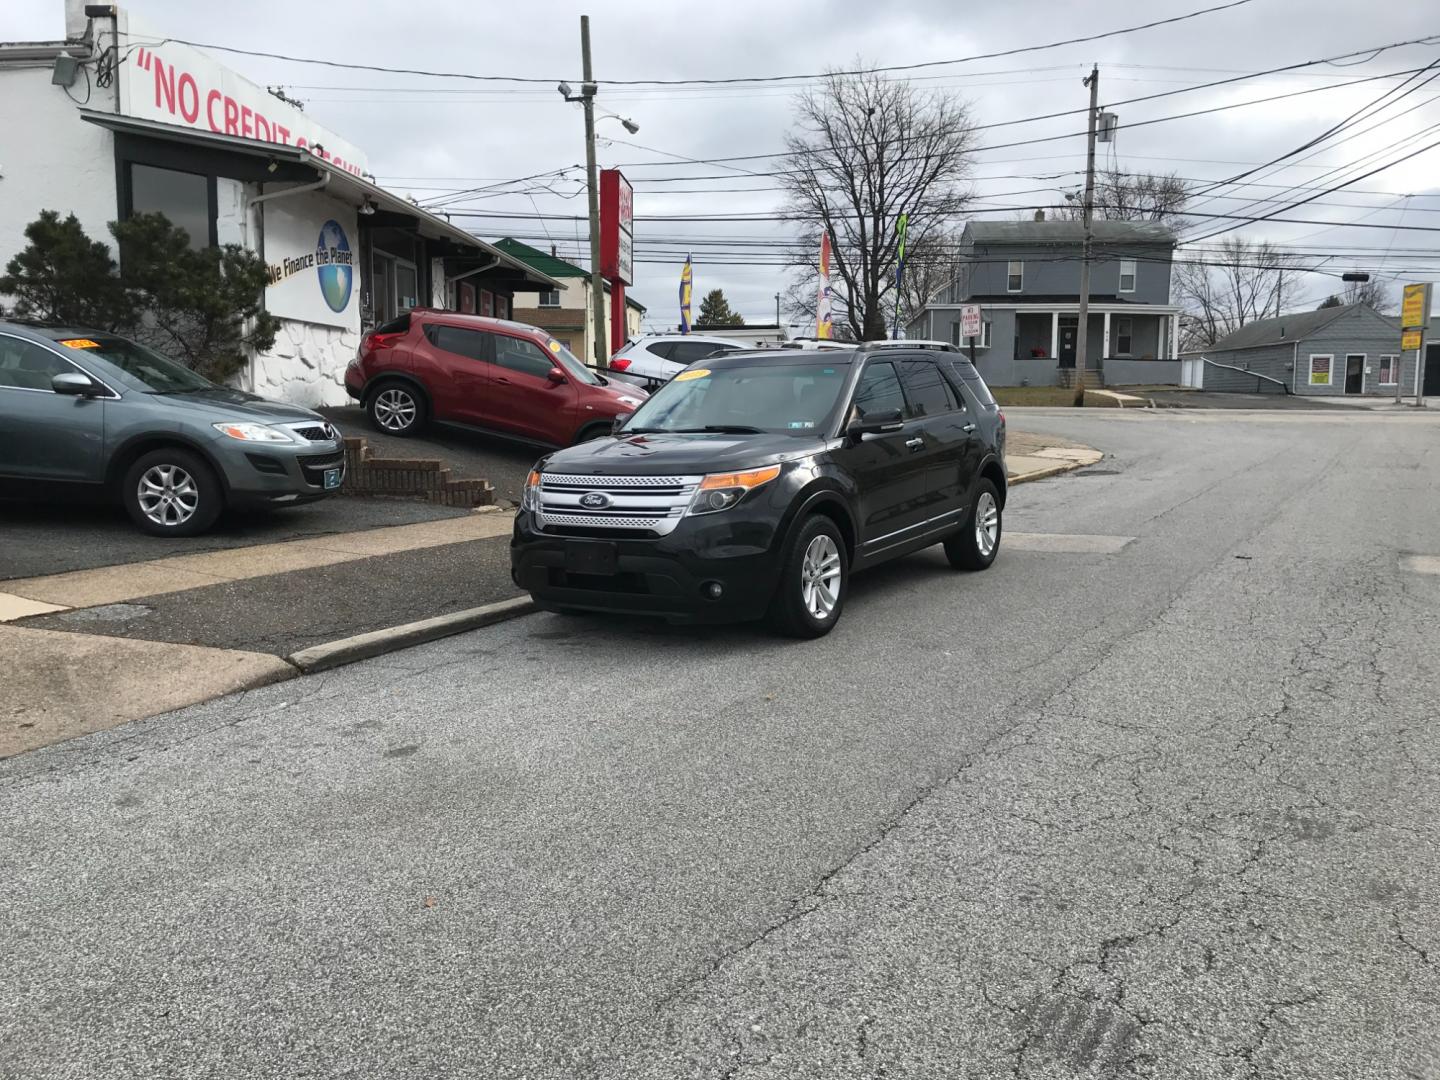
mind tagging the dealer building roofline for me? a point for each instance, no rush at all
(341, 184)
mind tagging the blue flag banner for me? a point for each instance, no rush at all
(686, 279)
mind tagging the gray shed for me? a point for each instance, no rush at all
(1351, 349)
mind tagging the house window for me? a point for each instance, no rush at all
(1127, 275)
(1124, 335)
(549, 298)
(1015, 276)
(1389, 370)
(1320, 369)
(182, 197)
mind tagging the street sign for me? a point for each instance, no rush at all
(1410, 339)
(970, 320)
(1413, 309)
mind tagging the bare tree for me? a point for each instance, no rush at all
(1122, 196)
(1222, 292)
(1372, 293)
(864, 150)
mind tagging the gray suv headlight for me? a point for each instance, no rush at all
(249, 432)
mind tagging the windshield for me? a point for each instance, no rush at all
(572, 363)
(793, 399)
(146, 368)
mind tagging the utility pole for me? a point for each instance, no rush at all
(1082, 332)
(601, 356)
(777, 313)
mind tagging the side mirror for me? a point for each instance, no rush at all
(881, 422)
(74, 384)
(556, 376)
(620, 419)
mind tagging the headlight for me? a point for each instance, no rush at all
(633, 402)
(720, 491)
(247, 432)
(530, 499)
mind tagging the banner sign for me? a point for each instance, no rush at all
(824, 327)
(617, 227)
(311, 253)
(687, 277)
(172, 83)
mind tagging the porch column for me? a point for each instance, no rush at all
(1055, 336)
(1105, 339)
(1174, 336)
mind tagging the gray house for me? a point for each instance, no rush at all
(1351, 349)
(1025, 275)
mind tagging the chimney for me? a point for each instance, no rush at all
(552, 251)
(1039, 215)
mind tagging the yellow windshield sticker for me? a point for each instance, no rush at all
(554, 346)
(81, 343)
(698, 373)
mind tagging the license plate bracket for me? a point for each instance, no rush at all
(333, 477)
(591, 557)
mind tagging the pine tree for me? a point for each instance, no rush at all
(715, 311)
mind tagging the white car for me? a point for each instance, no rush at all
(659, 357)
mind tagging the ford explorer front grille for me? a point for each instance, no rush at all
(650, 503)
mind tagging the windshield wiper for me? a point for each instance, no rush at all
(719, 429)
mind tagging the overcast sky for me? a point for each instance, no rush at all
(429, 136)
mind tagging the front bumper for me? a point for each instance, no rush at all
(260, 475)
(668, 577)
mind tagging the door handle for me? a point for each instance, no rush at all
(916, 443)
(968, 428)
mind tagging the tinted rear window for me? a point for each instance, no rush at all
(398, 325)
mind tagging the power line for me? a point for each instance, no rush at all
(699, 82)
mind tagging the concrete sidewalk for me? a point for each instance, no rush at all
(91, 649)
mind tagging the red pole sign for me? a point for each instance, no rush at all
(617, 246)
(617, 243)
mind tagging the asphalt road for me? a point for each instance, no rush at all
(1169, 812)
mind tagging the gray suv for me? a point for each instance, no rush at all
(81, 408)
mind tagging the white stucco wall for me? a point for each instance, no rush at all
(50, 159)
(231, 223)
(306, 365)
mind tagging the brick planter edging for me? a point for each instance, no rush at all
(424, 478)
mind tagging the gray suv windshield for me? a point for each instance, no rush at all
(147, 369)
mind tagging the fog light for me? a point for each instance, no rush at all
(713, 590)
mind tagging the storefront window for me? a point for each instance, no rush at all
(182, 197)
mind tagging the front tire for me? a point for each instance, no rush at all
(172, 492)
(977, 543)
(814, 578)
(396, 408)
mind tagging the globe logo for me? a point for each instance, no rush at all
(334, 264)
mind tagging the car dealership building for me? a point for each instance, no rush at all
(116, 120)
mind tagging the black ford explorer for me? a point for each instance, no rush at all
(755, 483)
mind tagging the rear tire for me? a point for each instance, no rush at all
(172, 492)
(814, 579)
(397, 408)
(977, 543)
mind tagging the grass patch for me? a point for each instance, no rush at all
(1046, 395)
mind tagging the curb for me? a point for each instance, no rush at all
(1041, 474)
(334, 654)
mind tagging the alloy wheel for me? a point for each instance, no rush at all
(395, 410)
(168, 495)
(987, 523)
(820, 577)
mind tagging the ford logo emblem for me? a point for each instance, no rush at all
(595, 500)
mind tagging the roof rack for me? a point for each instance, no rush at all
(910, 343)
